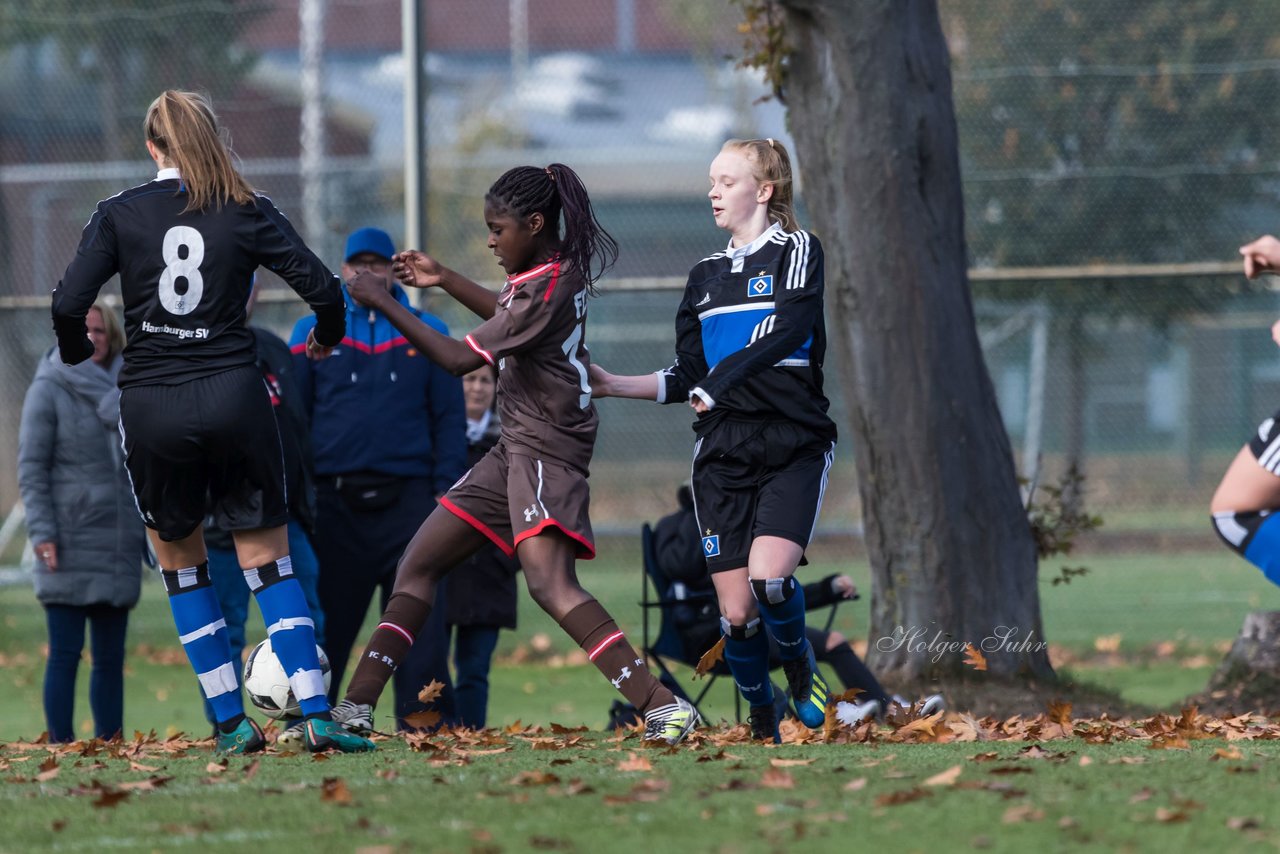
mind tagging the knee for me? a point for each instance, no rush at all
(738, 613)
(834, 640)
(1235, 529)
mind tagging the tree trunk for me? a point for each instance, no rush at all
(953, 560)
(1249, 677)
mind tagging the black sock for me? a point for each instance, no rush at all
(230, 724)
(853, 673)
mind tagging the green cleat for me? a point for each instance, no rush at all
(245, 738)
(320, 735)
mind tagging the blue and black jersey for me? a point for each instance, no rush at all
(750, 334)
(185, 277)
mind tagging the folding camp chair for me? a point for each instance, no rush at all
(666, 645)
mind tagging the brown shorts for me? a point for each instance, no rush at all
(510, 497)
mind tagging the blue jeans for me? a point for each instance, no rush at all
(107, 628)
(233, 592)
(472, 653)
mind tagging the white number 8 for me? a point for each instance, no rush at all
(177, 267)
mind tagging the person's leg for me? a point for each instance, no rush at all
(472, 655)
(233, 600)
(306, 568)
(426, 662)
(443, 541)
(66, 642)
(832, 648)
(108, 627)
(1246, 504)
(548, 564)
(347, 579)
(202, 630)
(267, 568)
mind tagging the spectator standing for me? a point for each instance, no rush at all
(482, 590)
(389, 434)
(88, 539)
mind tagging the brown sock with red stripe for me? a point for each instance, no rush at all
(404, 618)
(594, 630)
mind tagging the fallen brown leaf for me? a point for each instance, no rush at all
(426, 719)
(533, 778)
(334, 790)
(946, 778)
(774, 778)
(791, 763)
(905, 796)
(856, 785)
(635, 762)
(1021, 813)
(430, 692)
(710, 659)
(974, 658)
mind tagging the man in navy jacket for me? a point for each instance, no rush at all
(388, 428)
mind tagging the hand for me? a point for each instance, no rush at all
(843, 586)
(416, 269)
(367, 289)
(699, 405)
(1261, 256)
(48, 552)
(1275, 332)
(315, 350)
(599, 378)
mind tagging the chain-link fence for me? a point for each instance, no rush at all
(1093, 133)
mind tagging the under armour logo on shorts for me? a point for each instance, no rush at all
(530, 512)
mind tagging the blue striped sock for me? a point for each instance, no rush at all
(203, 633)
(292, 631)
(746, 652)
(781, 603)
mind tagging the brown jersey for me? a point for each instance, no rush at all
(536, 337)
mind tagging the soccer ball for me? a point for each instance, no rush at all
(267, 685)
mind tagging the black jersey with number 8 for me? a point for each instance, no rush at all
(186, 278)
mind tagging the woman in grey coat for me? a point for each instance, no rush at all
(88, 538)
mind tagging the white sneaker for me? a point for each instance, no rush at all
(852, 714)
(929, 705)
(670, 723)
(356, 717)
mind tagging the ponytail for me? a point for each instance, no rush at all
(184, 128)
(771, 165)
(551, 191)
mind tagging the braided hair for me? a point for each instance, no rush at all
(585, 246)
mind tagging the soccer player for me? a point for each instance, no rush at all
(529, 494)
(196, 421)
(1245, 504)
(750, 339)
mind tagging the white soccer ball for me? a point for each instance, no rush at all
(267, 685)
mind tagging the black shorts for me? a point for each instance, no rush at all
(209, 445)
(1265, 444)
(757, 479)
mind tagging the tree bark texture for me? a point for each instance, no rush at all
(953, 560)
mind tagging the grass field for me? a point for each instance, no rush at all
(1150, 627)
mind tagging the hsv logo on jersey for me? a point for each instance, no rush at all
(711, 545)
(760, 286)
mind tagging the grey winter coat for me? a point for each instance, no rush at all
(74, 487)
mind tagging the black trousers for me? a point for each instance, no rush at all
(358, 550)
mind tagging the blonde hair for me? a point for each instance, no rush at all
(770, 165)
(115, 330)
(184, 128)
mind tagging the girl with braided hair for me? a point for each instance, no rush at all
(529, 494)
